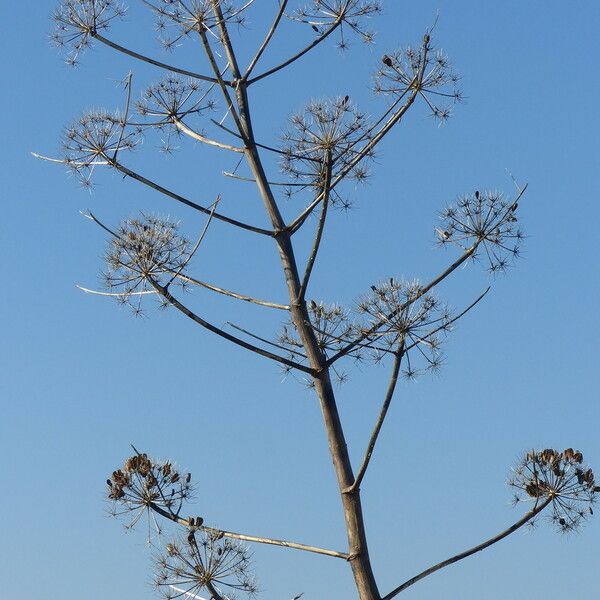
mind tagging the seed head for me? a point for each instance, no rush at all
(204, 559)
(485, 218)
(142, 484)
(350, 14)
(142, 251)
(561, 477)
(423, 70)
(77, 21)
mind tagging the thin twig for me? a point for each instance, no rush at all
(236, 295)
(250, 538)
(201, 138)
(203, 209)
(530, 515)
(267, 39)
(300, 54)
(319, 232)
(264, 340)
(379, 424)
(151, 61)
(164, 292)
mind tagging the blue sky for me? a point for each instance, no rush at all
(81, 378)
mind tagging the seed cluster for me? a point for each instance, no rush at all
(76, 21)
(201, 561)
(143, 251)
(323, 14)
(486, 219)
(326, 134)
(425, 71)
(561, 477)
(95, 139)
(193, 16)
(143, 484)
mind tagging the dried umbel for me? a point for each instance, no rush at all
(172, 99)
(331, 325)
(424, 70)
(76, 21)
(95, 139)
(327, 138)
(488, 220)
(143, 485)
(194, 16)
(323, 14)
(143, 252)
(560, 477)
(204, 562)
(402, 319)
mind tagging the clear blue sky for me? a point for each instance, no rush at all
(81, 379)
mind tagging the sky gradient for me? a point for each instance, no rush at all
(82, 379)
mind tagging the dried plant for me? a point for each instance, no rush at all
(325, 15)
(559, 478)
(424, 70)
(143, 486)
(405, 320)
(76, 21)
(204, 561)
(398, 322)
(485, 220)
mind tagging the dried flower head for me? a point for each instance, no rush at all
(172, 99)
(194, 16)
(402, 319)
(95, 139)
(322, 15)
(144, 485)
(330, 323)
(328, 134)
(488, 220)
(425, 70)
(204, 561)
(76, 21)
(142, 252)
(560, 478)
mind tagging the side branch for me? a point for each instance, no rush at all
(151, 61)
(319, 233)
(465, 256)
(164, 292)
(203, 209)
(248, 538)
(300, 54)
(201, 138)
(384, 409)
(236, 295)
(530, 515)
(267, 39)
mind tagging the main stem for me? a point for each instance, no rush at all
(351, 503)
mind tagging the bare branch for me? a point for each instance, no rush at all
(164, 292)
(249, 538)
(236, 295)
(301, 53)
(201, 138)
(378, 425)
(321, 225)
(264, 340)
(530, 515)
(269, 36)
(203, 209)
(151, 61)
